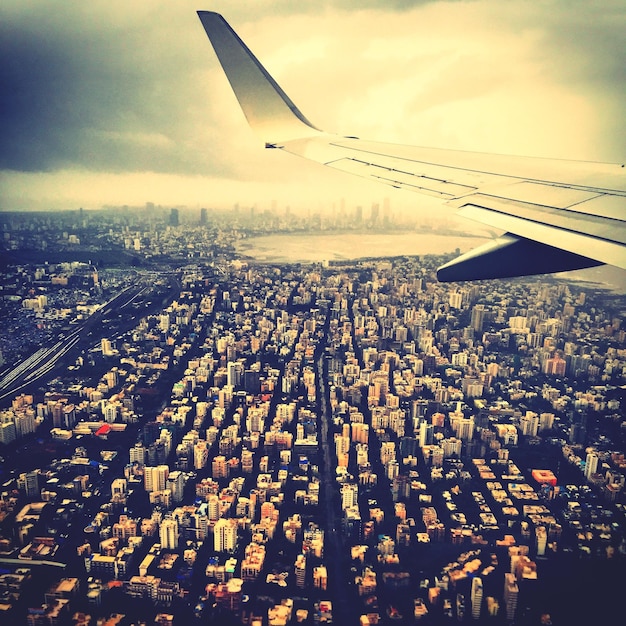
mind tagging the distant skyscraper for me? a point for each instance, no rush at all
(320, 577)
(219, 467)
(164, 322)
(235, 371)
(455, 300)
(203, 216)
(8, 432)
(110, 412)
(425, 434)
(200, 454)
(174, 217)
(375, 213)
(555, 366)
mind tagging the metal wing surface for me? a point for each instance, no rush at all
(557, 215)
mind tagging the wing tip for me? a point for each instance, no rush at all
(268, 109)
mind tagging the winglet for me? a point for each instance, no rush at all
(268, 109)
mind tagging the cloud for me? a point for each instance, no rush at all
(83, 87)
(120, 88)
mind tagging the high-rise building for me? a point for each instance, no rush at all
(137, 454)
(110, 412)
(118, 487)
(225, 535)
(478, 318)
(375, 213)
(8, 431)
(155, 478)
(349, 495)
(529, 423)
(234, 373)
(591, 464)
(29, 482)
(174, 221)
(542, 539)
(300, 570)
(57, 415)
(425, 434)
(247, 461)
(511, 591)
(213, 506)
(555, 366)
(477, 596)
(25, 423)
(219, 467)
(320, 577)
(176, 484)
(107, 347)
(168, 534)
(466, 428)
(200, 454)
(546, 421)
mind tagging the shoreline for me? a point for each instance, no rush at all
(320, 247)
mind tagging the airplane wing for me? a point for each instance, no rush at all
(557, 215)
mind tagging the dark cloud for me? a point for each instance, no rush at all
(317, 6)
(82, 89)
(582, 46)
(112, 86)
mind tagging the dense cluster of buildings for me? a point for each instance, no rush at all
(308, 444)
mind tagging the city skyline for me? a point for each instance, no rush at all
(106, 105)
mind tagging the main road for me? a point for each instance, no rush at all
(44, 362)
(333, 549)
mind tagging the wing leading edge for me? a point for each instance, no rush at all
(557, 215)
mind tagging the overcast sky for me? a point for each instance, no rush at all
(118, 102)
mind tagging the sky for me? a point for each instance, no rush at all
(122, 103)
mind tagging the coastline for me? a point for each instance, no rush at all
(319, 247)
(342, 246)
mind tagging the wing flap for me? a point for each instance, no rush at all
(402, 179)
(573, 241)
(542, 194)
(594, 224)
